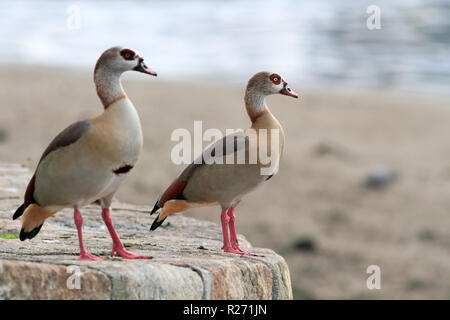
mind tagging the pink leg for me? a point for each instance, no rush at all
(84, 255)
(118, 247)
(233, 236)
(227, 247)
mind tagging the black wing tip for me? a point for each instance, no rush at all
(155, 208)
(156, 224)
(19, 211)
(29, 235)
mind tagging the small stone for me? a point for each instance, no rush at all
(427, 235)
(3, 135)
(329, 148)
(50, 241)
(380, 178)
(305, 244)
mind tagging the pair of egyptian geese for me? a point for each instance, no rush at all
(88, 161)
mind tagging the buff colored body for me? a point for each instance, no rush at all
(88, 161)
(83, 172)
(228, 183)
(225, 184)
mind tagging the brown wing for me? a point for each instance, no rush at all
(68, 136)
(225, 146)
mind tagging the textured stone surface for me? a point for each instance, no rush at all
(28, 280)
(187, 260)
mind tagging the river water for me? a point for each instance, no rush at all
(317, 43)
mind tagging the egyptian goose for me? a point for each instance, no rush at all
(208, 182)
(89, 160)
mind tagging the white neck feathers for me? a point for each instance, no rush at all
(255, 103)
(108, 85)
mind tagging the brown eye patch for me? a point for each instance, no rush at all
(275, 78)
(127, 54)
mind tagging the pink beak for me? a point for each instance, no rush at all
(288, 91)
(142, 67)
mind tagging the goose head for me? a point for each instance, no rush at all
(109, 68)
(120, 59)
(268, 83)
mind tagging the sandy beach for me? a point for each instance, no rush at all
(316, 212)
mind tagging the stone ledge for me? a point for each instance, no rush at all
(187, 261)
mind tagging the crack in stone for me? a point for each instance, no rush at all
(132, 210)
(276, 278)
(206, 278)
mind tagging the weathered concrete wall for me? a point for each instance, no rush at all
(187, 260)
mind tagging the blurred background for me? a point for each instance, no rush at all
(365, 179)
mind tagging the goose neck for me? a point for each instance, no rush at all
(109, 86)
(255, 103)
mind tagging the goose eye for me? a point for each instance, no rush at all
(127, 54)
(275, 78)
